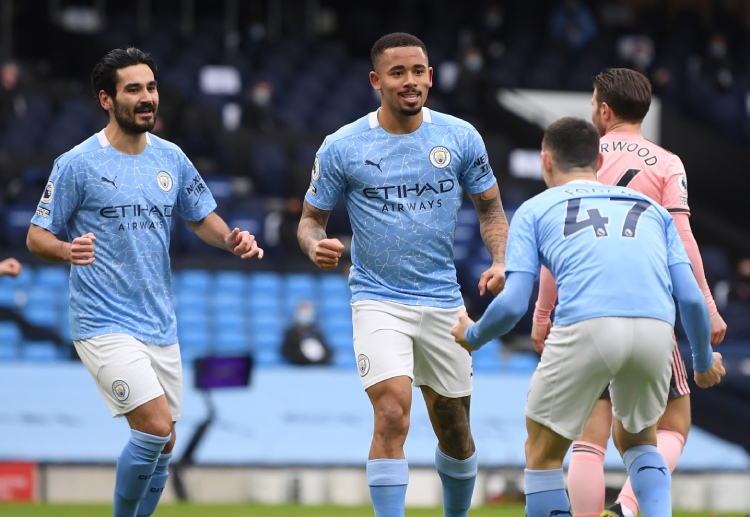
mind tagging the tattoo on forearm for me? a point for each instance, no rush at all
(493, 226)
(312, 227)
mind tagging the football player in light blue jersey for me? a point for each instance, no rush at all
(115, 195)
(402, 171)
(618, 260)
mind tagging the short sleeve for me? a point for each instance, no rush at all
(328, 180)
(522, 253)
(194, 200)
(477, 175)
(675, 193)
(60, 198)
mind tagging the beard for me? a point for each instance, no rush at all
(127, 121)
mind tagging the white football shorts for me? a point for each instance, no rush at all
(392, 339)
(130, 373)
(632, 355)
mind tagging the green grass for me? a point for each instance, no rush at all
(252, 510)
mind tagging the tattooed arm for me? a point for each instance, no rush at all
(311, 234)
(493, 226)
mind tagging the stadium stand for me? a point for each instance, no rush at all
(318, 74)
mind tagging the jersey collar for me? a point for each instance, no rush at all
(372, 117)
(105, 143)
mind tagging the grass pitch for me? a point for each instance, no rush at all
(252, 510)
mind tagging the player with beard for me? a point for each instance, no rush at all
(115, 194)
(402, 171)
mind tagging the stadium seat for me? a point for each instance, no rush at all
(8, 292)
(41, 314)
(53, 277)
(39, 351)
(487, 359)
(10, 339)
(194, 280)
(231, 341)
(230, 281)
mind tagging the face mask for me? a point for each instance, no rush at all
(262, 97)
(473, 63)
(305, 317)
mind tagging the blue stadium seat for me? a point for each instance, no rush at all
(231, 341)
(196, 339)
(8, 292)
(266, 282)
(230, 281)
(487, 359)
(42, 314)
(39, 351)
(521, 362)
(53, 277)
(194, 280)
(10, 339)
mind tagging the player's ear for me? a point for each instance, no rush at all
(375, 80)
(546, 162)
(105, 100)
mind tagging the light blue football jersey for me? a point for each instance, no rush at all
(127, 202)
(609, 249)
(403, 194)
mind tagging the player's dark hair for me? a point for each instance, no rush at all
(104, 75)
(393, 40)
(626, 91)
(573, 143)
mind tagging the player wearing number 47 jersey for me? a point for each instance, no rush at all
(620, 102)
(618, 262)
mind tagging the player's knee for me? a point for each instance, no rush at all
(157, 427)
(392, 418)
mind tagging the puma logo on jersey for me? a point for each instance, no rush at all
(106, 180)
(368, 162)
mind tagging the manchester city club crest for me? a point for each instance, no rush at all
(164, 180)
(363, 363)
(440, 157)
(121, 390)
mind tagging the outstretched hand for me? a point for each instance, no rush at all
(82, 250)
(459, 330)
(243, 244)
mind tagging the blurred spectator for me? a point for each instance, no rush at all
(740, 287)
(466, 85)
(636, 51)
(258, 110)
(714, 63)
(573, 24)
(10, 267)
(12, 100)
(303, 342)
(490, 33)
